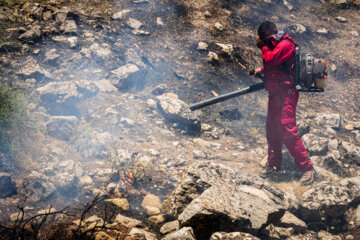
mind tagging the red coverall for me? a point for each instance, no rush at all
(281, 116)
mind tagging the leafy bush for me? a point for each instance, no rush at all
(13, 115)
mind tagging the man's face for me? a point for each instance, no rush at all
(268, 36)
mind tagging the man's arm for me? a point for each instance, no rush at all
(279, 55)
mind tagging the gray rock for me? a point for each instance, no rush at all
(297, 28)
(351, 153)
(324, 201)
(31, 34)
(69, 26)
(314, 144)
(341, 19)
(138, 232)
(7, 186)
(328, 120)
(278, 232)
(94, 144)
(31, 69)
(127, 77)
(133, 23)
(159, 89)
(232, 236)
(332, 163)
(37, 187)
(290, 220)
(185, 233)
(59, 98)
(333, 144)
(177, 111)
(170, 227)
(122, 15)
(132, 56)
(100, 52)
(69, 41)
(127, 222)
(51, 57)
(62, 127)
(202, 46)
(211, 197)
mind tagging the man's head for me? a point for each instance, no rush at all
(266, 30)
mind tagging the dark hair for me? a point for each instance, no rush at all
(266, 27)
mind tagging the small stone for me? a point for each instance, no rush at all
(152, 210)
(159, 89)
(120, 202)
(226, 48)
(322, 31)
(219, 26)
(159, 21)
(207, 14)
(205, 127)
(354, 33)
(122, 15)
(133, 23)
(333, 67)
(349, 237)
(86, 180)
(103, 236)
(267, 1)
(69, 26)
(211, 57)
(73, 42)
(151, 200)
(349, 127)
(288, 5)
(185, 233)
(47, 15)
(151, 104)
(199, 154)
(170, 227)
(156, 219)
(333, 144)
(127, 122)
(138, 232)
(127, 222)
(298, 28)
(202, 46)
(341, 19)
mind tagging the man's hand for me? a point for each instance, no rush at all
(259, 43)
(257, 71)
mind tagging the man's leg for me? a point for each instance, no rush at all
(289, 131)
(273, 133)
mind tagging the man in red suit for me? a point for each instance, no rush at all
(278, 58)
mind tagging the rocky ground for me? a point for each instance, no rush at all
(109, 132)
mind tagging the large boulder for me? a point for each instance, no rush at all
(326, 202)
(7, 186)
(62, 127)
(37, 187)
(314, 144)
(31, 69)
(328, 120)
(127, 77)
(351, 153)
(211, 197)
(177, 111)
(59, 98)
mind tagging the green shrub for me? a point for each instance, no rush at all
(13, 116)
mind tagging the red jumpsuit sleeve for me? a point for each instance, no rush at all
(280, 54)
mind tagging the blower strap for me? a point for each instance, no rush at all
(283, 64)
